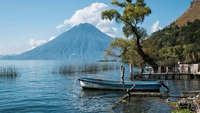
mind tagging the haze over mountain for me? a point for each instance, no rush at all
(83, 41)
(191, 14)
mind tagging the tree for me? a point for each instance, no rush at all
(132, 15)
(126, 50)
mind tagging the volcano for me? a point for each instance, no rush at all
(82, 42)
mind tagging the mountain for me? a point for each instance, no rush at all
(191, 14)
(178, 42)
(82, 42)
(7, 56)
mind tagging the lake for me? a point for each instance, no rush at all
(39, 90)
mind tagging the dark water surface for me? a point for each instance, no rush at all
(38, 90)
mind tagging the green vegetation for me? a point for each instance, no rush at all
(166, 47)
(130, 15)
(127, 52)
(86, 68)
(182, 111)
(10, 71)
(173, 44)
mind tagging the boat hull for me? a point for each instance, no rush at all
(88, 83)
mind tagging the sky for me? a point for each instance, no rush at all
(26, 24)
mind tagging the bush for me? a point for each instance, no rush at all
(182, 111)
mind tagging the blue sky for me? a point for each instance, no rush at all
(26, 24)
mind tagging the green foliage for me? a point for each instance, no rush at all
(182, 111)
(127, 51)
(118, 44)
(131, 15)
(178, 43)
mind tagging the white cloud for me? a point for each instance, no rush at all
(59, 26)
(35, 43)
(52, 38)
(92, 15)
(155, 26)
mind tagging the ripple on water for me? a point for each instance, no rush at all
(37, 90)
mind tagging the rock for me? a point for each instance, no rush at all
(189, 103)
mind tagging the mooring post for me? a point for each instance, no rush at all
(130, 69)
(173, 75)
(122, 75)
(189, 76)
(166, 76)
(131, 75)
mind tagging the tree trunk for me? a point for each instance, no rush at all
(145, 57)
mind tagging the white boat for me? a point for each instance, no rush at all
(91, 83)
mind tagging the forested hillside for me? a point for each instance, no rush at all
(178, 42)
(173, 44)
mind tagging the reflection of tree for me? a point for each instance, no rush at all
(194, 84)
(144, 105)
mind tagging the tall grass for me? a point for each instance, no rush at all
(86, 68)
(89, 68)
(10, 71)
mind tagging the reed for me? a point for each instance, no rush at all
(89, 68)
(67, 69)
(86, 68)
(10, 71)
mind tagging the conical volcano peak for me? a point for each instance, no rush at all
(83, 41)
(85, 26)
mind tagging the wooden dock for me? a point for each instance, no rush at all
(164, 75)
(167, 74)
(190, 93)
(145, 94)
(161, 95)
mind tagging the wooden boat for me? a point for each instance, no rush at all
(90, 83)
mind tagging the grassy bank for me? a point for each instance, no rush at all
(86, 68)
(182, 111)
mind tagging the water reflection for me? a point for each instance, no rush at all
(98, 100)
(145, 105)
(93, 93)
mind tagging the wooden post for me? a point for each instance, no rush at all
(131, 73)
(130, 69)
(122, 73)
(166, 76)
(188, 76)
(173, 75)
(122, 76)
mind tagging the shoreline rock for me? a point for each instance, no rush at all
(191, 103)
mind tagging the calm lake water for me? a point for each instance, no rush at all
(38, 90)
